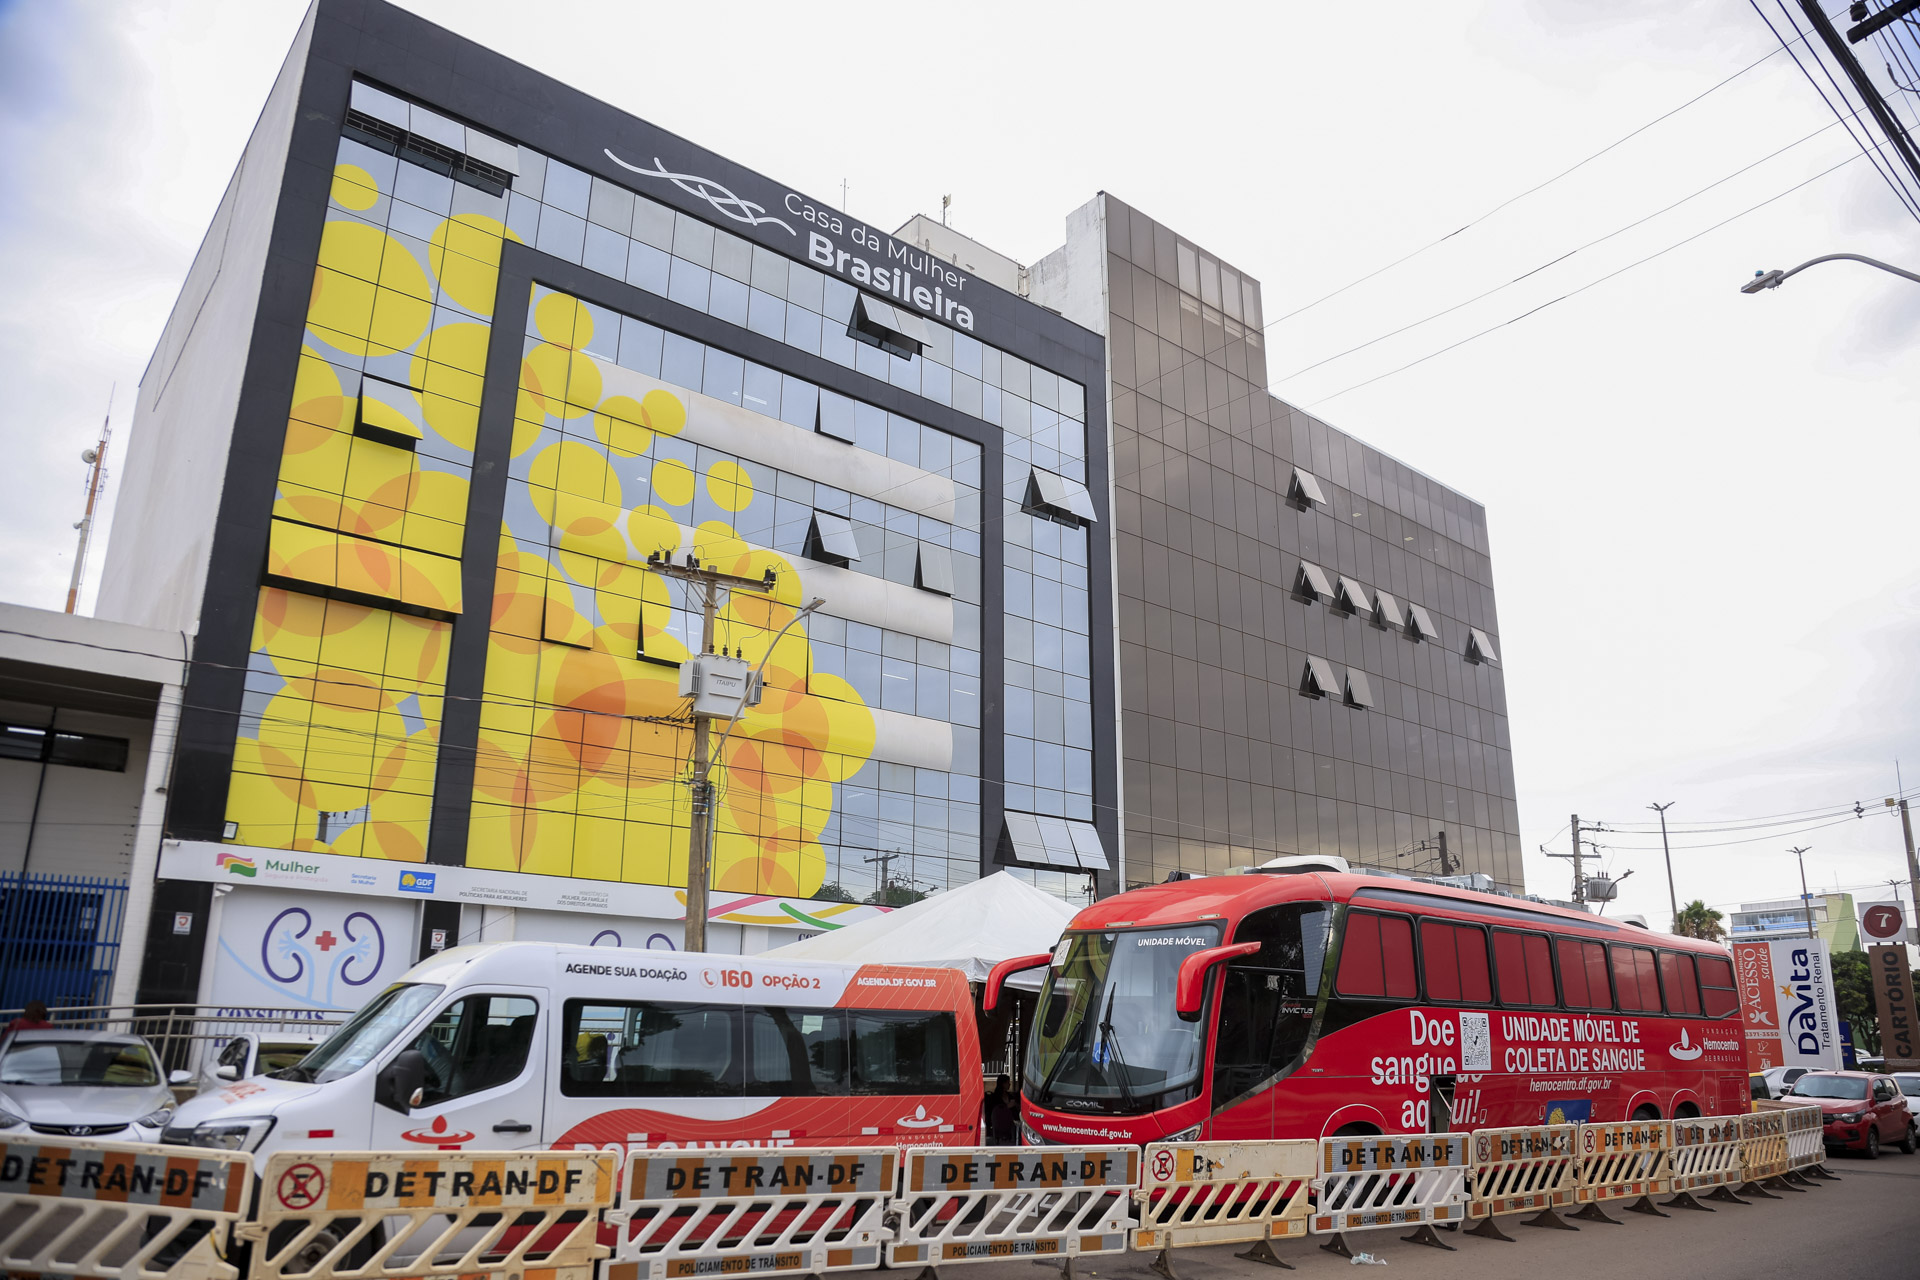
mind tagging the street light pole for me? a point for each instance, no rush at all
(1673, 899)
(1763, 280)
(1806, 899)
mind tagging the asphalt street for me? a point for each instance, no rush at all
(1866, 1226)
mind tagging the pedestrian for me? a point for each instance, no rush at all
(34, 1018)
(1003, 1113)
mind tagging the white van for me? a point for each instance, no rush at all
(526, 1044)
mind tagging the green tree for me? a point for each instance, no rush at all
(831, 892)
(1698, 920)
(894, 895)
(1853, 997)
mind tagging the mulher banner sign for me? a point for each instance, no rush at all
(1893, 998)
(1786, 1004)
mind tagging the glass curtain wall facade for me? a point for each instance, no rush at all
(514, 365)
(1308, 642)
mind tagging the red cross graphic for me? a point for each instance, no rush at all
(326, 941)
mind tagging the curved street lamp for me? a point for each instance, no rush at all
(1772, 279)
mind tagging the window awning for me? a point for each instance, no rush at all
(1479, 648)
(1047, 841)
(1060, 493)
(888, 327)
(1318, 680)
(1304, 488)
(1421, 624)
(935, 570)
(1359, 692)
(1352, 596)
(1312, 581)
(1386, 611)
(831, 539)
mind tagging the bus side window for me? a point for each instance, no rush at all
(1718, 998)
(1583, 974)
(1634, 980)
(1676, 978)
(1525, 961)
(1455, 961)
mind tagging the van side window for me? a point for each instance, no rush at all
(475, 1043)
(796, 1053)
(1717, 996)
(664, 1049)
(904, 1052)
(650, 1049)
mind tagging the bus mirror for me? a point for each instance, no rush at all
(990, 998)
(399, 1085)
(1191, 988)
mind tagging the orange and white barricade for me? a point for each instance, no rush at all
(1519, 1170)
(1763, 1152)
(758, 1210)
(1622, 1158)
(1372, 1182)
(987, 1204)
(127, 1210)
(1194, 1193)
(1705, 1157)
(466, 1214)
(1806, 1136)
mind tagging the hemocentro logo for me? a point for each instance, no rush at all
(416, 881)
(1686, 1050)
(237, 865)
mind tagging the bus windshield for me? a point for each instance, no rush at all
(1106, 1036)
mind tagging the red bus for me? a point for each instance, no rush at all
(1309, 1003)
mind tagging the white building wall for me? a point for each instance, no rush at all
(183, 416)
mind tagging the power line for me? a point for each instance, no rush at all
(1562, 257)
(1583, 288)
(1540, 186)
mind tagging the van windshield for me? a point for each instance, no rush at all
(369, 1031)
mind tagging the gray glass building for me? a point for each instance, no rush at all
(1308, 647)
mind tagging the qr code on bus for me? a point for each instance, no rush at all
(1476, 1042)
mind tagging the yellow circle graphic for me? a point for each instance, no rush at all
(354, 188)
(673, 482)
(729, 485)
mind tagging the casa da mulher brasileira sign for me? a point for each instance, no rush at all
(1786, 1004)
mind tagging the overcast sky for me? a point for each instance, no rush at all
(1701, 502)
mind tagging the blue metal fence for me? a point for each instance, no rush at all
(59, 938)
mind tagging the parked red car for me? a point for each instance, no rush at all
(1863, 1112)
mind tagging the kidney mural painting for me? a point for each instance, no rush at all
(309, 951)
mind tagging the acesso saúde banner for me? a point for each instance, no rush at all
(1786, 1004)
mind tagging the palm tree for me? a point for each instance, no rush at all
(1698, 920)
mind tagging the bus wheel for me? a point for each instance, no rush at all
(1358, 1129)
(1646, 1112)
(1686, 1111)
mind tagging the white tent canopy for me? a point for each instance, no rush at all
(971, 929)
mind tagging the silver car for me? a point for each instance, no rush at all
(83, 1084)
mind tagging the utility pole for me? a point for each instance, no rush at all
(1446, 859)
(1913, 867)
(711, 584)
(885, 860)
(1806, 899)
(95, 458)
(1672, 898)
(1579, 880)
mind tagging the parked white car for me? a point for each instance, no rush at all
(83, 1084)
